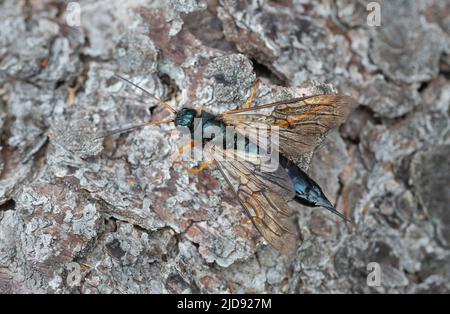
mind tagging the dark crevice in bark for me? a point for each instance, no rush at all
(8, 205)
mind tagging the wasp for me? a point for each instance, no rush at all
(301, 123)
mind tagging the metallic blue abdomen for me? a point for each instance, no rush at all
(307, 192)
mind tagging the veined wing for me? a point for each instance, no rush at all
(302, 122)
(263, 195)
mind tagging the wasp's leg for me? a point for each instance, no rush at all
(197, 169)
(72, 91)
(245, 221)
(182, 150)
(200, 168)
(250, 100)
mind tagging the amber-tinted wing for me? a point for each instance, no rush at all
(264, 196)
(302, 122)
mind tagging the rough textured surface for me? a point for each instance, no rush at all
(87, 215)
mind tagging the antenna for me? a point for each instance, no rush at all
(146, 92)
(131, 128)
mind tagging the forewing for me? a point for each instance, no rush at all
(302, 122)
(264, 196)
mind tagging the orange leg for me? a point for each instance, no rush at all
(245, 221)
(72, 91)
(250, 100)
(200, 168)
(182, 150)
